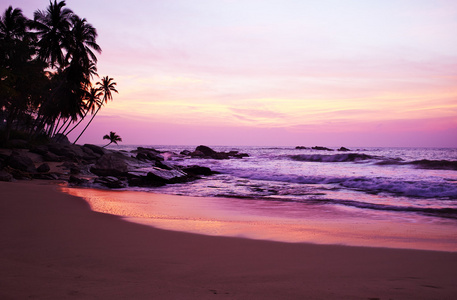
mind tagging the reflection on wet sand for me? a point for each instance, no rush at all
(260, 219)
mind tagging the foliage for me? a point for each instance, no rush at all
(46, 70)
(112, 137)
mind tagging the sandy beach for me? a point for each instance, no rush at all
(54, 247)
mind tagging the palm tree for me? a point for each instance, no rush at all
(53, 26)
(92, 101)
(81, 41)
(106, 86)
(22, 78)
(112, 137)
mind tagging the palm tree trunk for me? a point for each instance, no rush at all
(79, 122)
(93, 116)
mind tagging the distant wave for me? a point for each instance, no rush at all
(415, 189)
(346, 157)
(424, 164)
(435, 164)
(381, 161)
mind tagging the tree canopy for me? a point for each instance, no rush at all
(47, 66)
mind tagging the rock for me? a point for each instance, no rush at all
(157, 177)
(110, 182)
(46, 176)
(206, 152)
(96, 149)
(186, 152)
(198, 170)
(321, 148)
(301, 147)
(5, 176)
(77, 181)
(41, 149)
(60, 139)
(148, 154)
(21, 162)
(111, 164)
(344, 149)
(90, 154)
(43, 168)
(49, 156)
(17, 144)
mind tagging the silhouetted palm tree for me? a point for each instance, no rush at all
(92, 102)
(81, 41)
(112, 137)
(53, 26)
(22, 78)
(106, 86)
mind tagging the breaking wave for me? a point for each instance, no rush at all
(346, 157)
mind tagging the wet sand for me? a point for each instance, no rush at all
(53, 246)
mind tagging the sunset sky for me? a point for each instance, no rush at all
(283, 72)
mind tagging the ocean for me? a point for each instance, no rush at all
(386, 197)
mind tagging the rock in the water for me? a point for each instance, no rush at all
(321, 148)
(207, 152)
(344, 149)
(21, 162)
(156, 177)
(111, 164)
(301, 147)
(43, 168)
(198, 170)
(5, 176)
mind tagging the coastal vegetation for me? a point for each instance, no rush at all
(112, 137)
(47, 68)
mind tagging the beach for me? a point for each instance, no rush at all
(54, 247)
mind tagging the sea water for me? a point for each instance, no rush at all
(399, 197)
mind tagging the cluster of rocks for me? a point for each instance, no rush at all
(323, 148)
(88, 164)
(206, 152)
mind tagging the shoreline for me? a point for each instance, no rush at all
(54, 246)
(262, 220)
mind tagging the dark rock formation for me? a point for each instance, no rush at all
(60, 139)
(111, 164)
(110, 182)
(43, 168)
(21, 162)
(207, 152)
(344, 149)
(321, 148)
(198, 170)
(5, 176)
(77, 181)
(301, 147)
(96, 149)
(17, 144)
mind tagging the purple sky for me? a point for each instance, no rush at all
(228, 72)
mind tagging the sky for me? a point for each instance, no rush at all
(275, 72)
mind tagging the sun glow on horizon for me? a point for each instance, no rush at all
(277, 71)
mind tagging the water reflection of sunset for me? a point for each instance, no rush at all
(260, 219)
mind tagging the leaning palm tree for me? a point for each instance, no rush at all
(92, 102)
(106, 86)
(112, 137)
